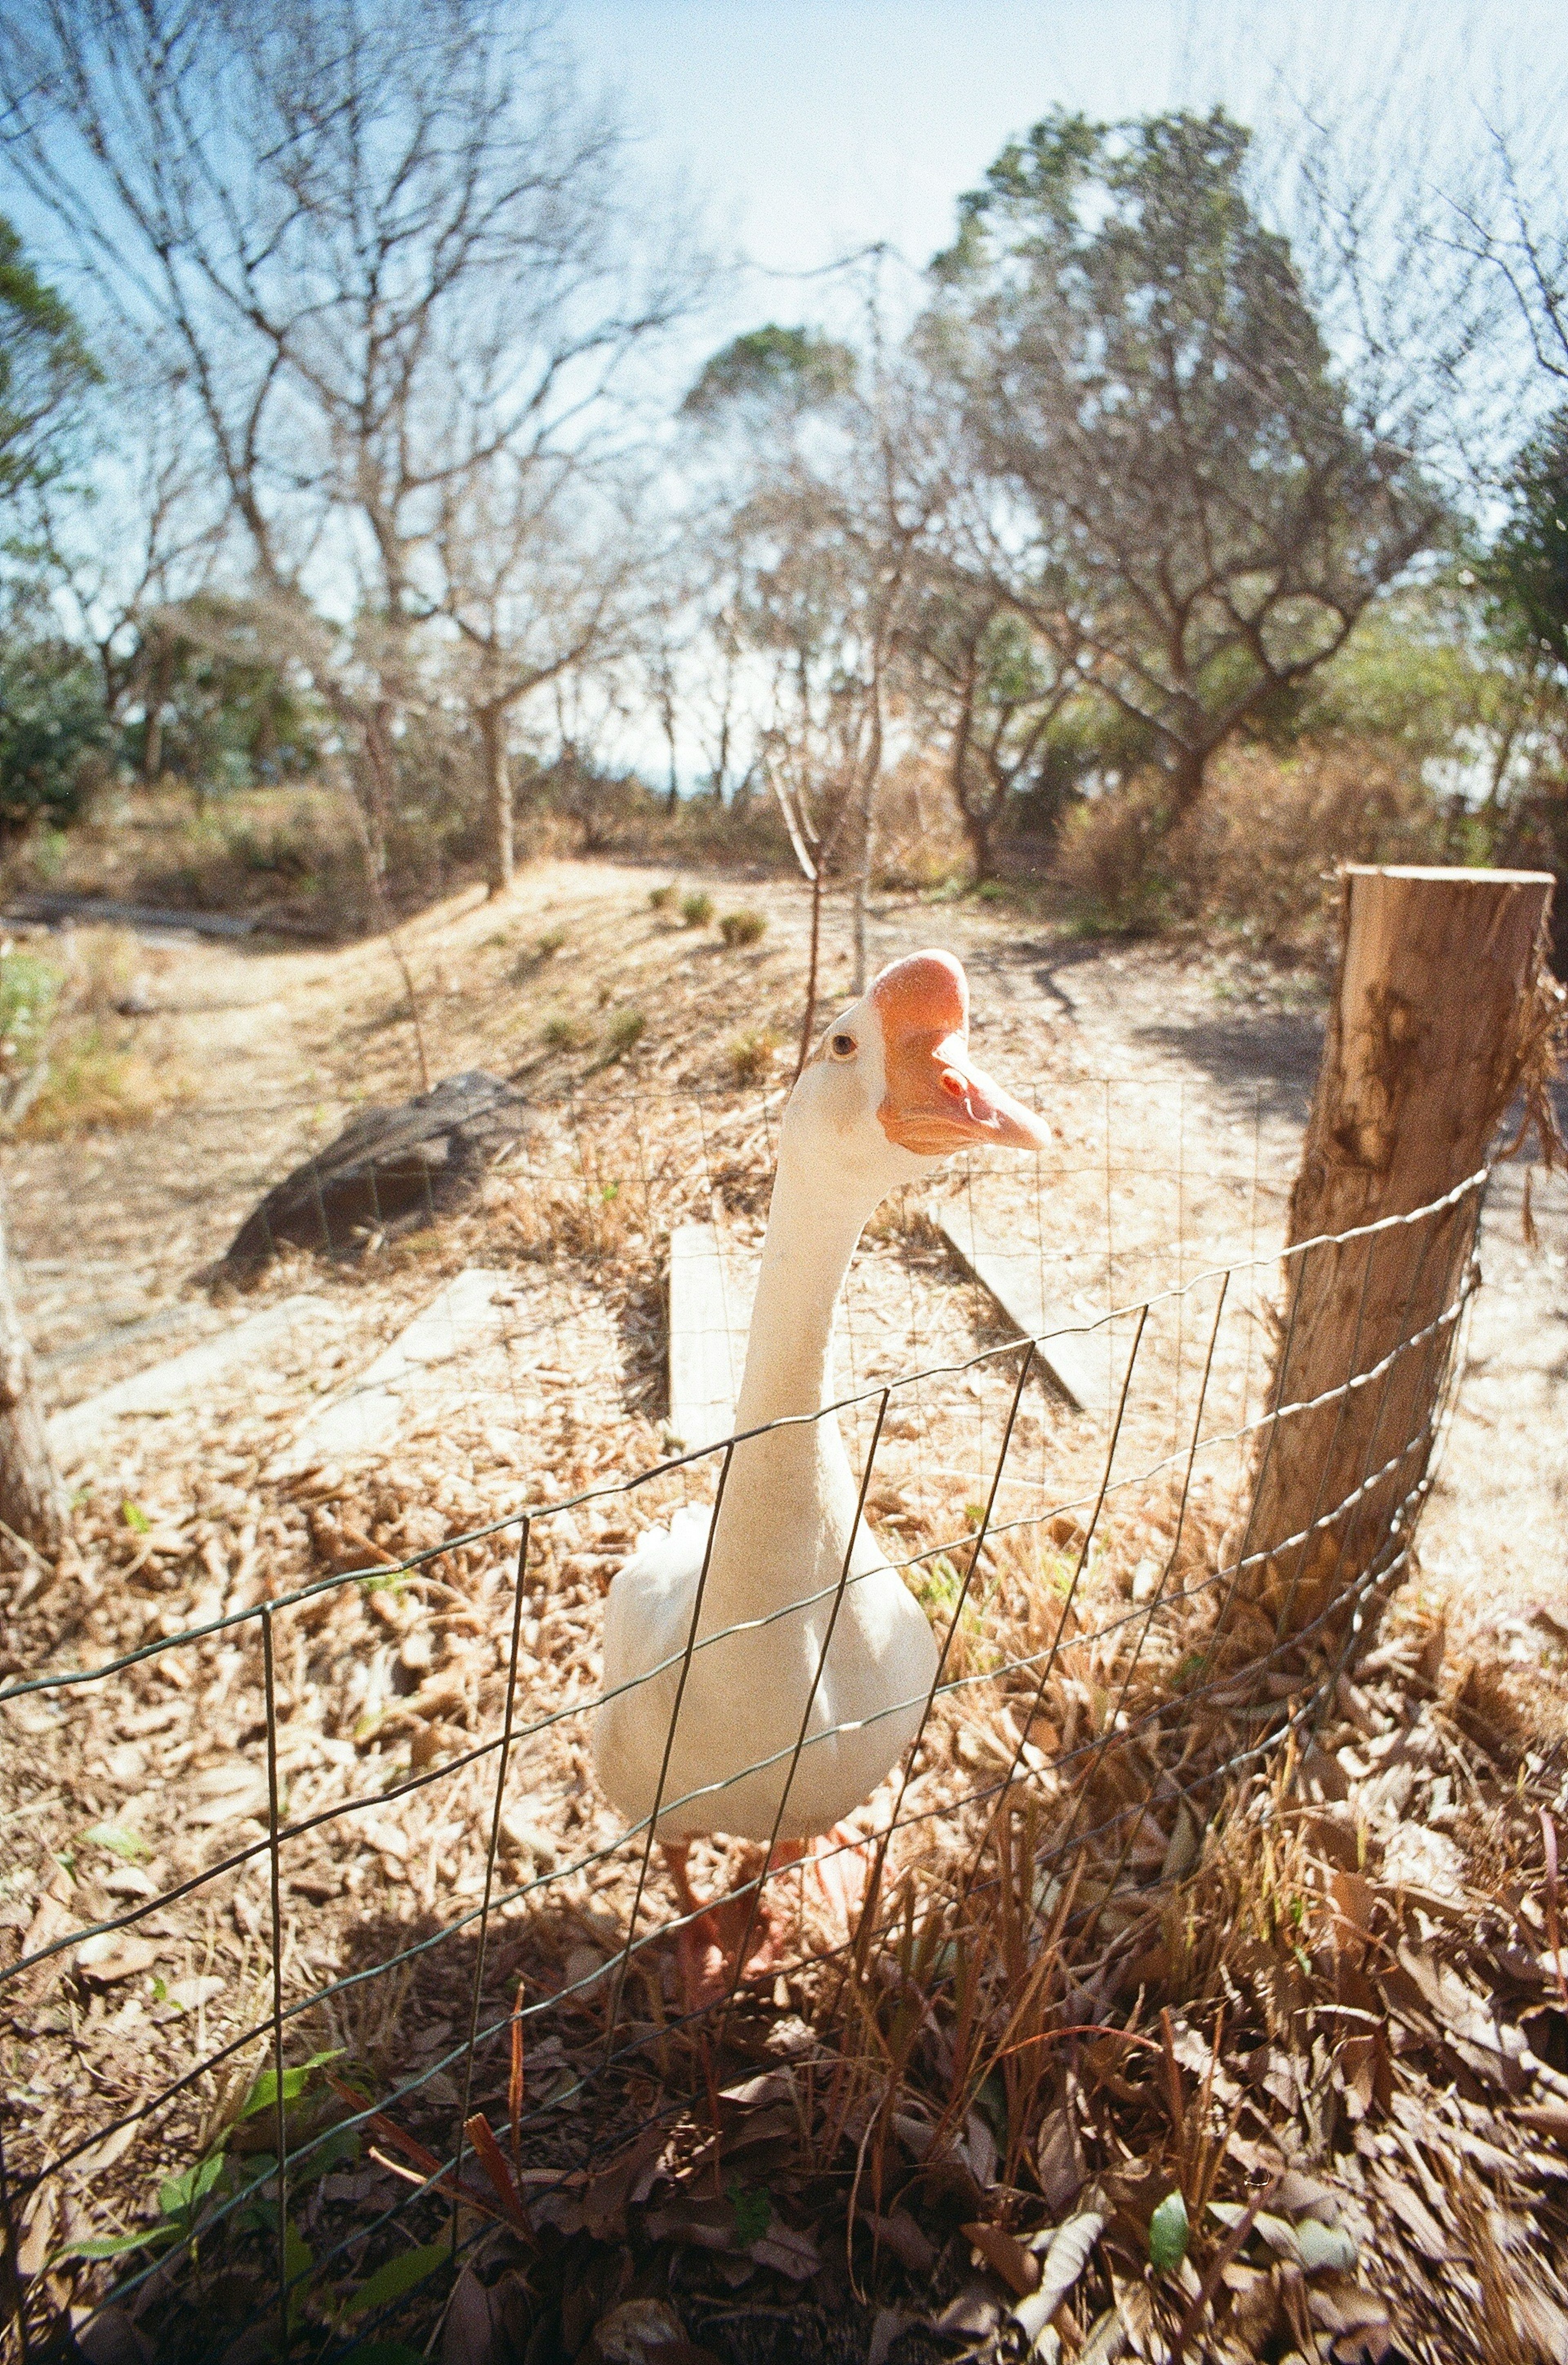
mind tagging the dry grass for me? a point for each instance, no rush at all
(1257, 860)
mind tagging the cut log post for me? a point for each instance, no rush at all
(32, 1501)
(1436, 1020)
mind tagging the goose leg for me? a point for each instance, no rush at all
(713, 1930)
(841, 1860)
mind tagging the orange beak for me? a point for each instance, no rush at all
(937, 1099)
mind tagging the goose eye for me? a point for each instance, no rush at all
(842, 1046)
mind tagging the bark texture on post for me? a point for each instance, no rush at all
(32, 1502)
(1434, 1023)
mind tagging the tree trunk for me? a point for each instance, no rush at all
(152, 738)
(502, 865)
(380, 769)
(808, 1022)
(977, 829)
(1186, 772)
(32, 1503)
(1435, 1018)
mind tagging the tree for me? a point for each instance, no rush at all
(540, 566)
(998, 689)
(835, 504)
(53, 721)
(45, 372)
(388, 247)
(1528, 567)
(1172, 484)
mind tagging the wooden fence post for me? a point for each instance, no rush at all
(31, 1497)
(1439, 1009)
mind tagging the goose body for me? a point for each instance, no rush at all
(776, 1647)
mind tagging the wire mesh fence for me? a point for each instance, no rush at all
(430, 1971)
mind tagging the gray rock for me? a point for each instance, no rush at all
(390, 1167)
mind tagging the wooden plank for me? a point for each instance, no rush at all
(1076, 1356)
(363, 1419)
(711, 1293)
(163, 1387)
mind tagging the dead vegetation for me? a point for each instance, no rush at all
(1311, 1989)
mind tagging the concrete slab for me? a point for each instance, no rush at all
(1076, 1357)
(179, 1379)
(361, 1419)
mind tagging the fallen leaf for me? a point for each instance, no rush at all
(1018, 2268)
(468, 2336)
(228, 1794)
(786, 2251)
(901, 2234)
(191, 1994)
(1325, 2248)
(1064, 2260)
(38, 2233)
(636, 2330)
(113, 1956)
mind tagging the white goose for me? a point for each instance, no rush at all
(890, 1092)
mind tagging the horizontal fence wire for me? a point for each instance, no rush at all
(1096, 1591)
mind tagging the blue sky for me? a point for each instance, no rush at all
(814, 127)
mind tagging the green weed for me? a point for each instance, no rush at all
(739, 928)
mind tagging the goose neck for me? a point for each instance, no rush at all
(813, 1226)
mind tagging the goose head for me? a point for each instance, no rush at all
(892, 1088)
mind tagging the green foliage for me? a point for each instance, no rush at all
(696, 909)
(228, 715)
(228, 2199)
(1168, 2234)
(796, 367)
(1527, 570)
(660, 898)
(51, 725)
(29, 989)
(625, 1030)
(45, 369)
(1143, 381)
(752, 2206)
(400, 2275)
(263, 2094)
(743, 929)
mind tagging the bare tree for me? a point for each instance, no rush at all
(138, 534)
(540, 569)
(388, 248)
(838, 502)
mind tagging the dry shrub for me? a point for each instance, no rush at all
(919, 840)
(751, 1055)
(1110, 859)
(1257, 859)
(1259, 856)
(92, 1081)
